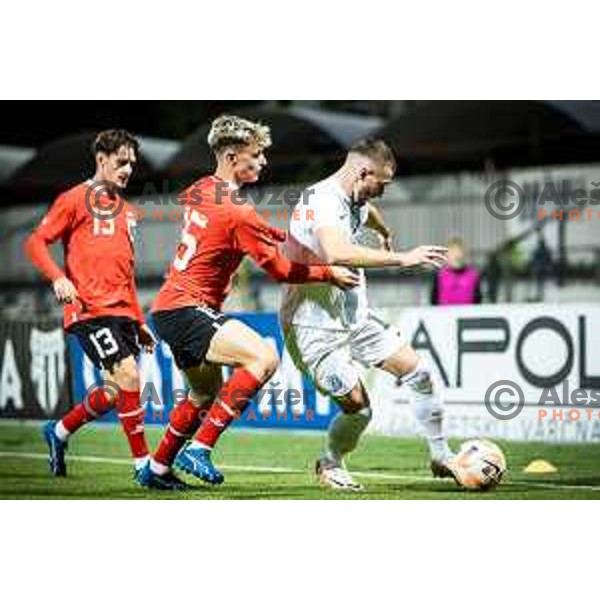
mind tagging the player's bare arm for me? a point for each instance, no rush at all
(376, 222)
(338, 250)
(260, 240)
(284, 271)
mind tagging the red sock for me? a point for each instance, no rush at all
(183, 420)
(89, 410)
(233, 398)
(131, 415)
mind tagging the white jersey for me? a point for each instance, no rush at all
(324, 306)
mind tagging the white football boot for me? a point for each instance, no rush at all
(336, 476)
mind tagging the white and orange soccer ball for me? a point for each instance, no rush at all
(479, 465)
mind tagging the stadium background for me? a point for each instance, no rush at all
(449, 154)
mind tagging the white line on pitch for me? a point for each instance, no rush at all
(258, 469)
(125, 461)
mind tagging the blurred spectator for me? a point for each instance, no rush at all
(493, 275)
(458, 282)
(517, 257)
(541, 265)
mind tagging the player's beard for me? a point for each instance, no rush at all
(356, 197)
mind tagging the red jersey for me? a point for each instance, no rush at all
(98, 256)
(219, 230)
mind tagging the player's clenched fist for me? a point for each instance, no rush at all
(434, 256)
(344, 278)
(64, 290)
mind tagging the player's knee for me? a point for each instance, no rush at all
(125, 374)
(265, 363)
(356, 403)
(270, 362)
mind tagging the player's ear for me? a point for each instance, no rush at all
(230, 157)
(101, 159)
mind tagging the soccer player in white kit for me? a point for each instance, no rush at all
(332, 335)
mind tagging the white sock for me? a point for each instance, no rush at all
(140, 462)
(429, 411)
(62, 433)
(344, 433)
(196, 445)
(158, 468)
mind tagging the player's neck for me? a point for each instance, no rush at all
(346, 179)
(227, 175)
(99, 177)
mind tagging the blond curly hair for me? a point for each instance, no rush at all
(228, 130)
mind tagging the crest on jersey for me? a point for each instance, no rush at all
(333, 383)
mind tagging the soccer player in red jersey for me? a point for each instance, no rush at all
(220, 229)
(97, 288)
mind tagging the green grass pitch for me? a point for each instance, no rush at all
(279, 465)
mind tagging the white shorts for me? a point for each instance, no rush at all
(336, 360)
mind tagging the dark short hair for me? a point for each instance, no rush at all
(375, 149)
(110, 140)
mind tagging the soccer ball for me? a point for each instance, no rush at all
(479, 465)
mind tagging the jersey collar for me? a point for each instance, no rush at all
(340, 190)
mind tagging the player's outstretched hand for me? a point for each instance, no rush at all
(432, 256)
(146, 339)
(344, 278)
(64, 290)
